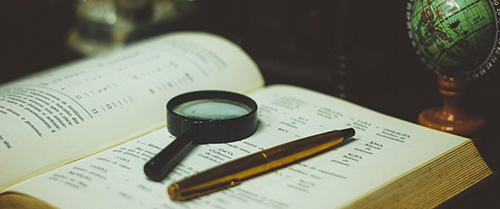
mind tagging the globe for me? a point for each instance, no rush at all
(455, 37)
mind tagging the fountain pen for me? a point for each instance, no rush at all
(234, 172)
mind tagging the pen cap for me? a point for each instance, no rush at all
(348, 133)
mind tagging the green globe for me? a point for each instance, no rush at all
(455, 37)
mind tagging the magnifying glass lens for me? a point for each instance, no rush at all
(212, 109)
(202, 117)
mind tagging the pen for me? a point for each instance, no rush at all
(234, 172)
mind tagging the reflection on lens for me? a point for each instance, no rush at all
(211, 109)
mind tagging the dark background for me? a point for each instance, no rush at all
(362, 46)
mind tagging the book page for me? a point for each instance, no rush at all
(77, 109)
(382, 149)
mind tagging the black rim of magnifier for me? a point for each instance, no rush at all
(192, 131)
(214, 131)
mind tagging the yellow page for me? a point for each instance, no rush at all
(382, 149)
(78, 109)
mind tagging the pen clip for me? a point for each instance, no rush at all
(175, 192)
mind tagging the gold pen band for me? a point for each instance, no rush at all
(233, 172)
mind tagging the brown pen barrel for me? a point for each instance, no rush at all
(233, 172)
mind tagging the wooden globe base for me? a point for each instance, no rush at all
(436, 119)
(453, 116)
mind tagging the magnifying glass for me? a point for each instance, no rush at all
(202, 117)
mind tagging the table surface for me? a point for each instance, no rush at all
(378, 68)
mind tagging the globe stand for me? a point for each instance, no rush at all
(453, 116)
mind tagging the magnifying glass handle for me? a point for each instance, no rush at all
(165, 161)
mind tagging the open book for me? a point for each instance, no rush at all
(78, 136)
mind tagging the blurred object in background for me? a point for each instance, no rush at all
(33, 36)
(105, 25)
(340, 69)
(307, 43)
